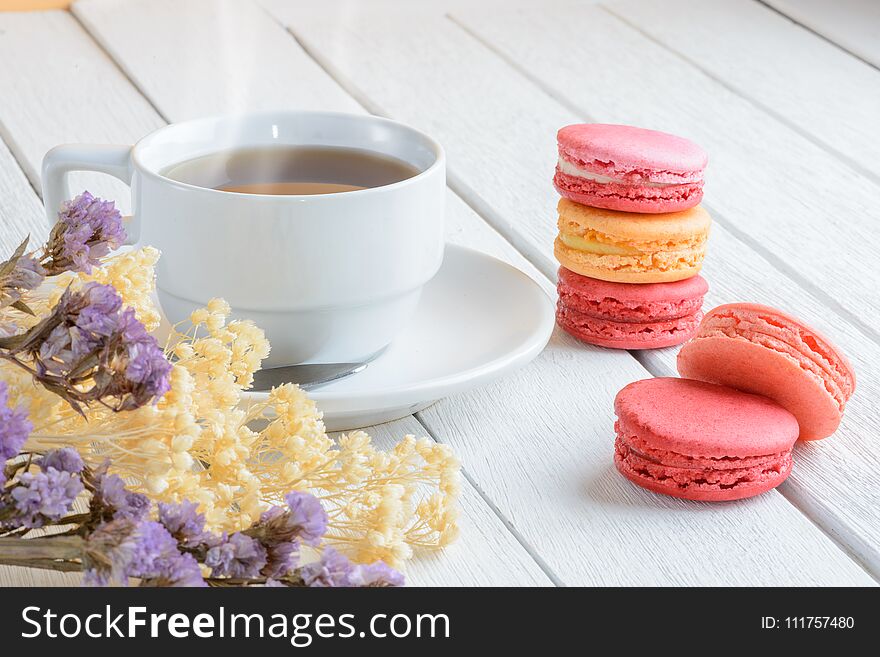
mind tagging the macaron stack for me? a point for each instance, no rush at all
(757, 381)
(632, 236)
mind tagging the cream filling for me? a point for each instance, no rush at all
(570, 169)
(592, 246)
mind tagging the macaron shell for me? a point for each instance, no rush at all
(619, 150)
(741, 364)
(664, 267)
(700, 419)
(622, 302)
(636, 229)
(699, 486)
(628, 198)
(765, 351)
(627, 335)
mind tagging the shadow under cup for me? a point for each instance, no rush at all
(330, 278)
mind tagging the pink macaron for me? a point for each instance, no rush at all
(701, 441)
(627, 316)
(621, 167)
(762, 350)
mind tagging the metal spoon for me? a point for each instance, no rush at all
(306, 376)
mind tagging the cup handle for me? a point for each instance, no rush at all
(61, 160)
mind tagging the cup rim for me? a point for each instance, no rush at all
(435, 146)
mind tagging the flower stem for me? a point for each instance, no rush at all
(44, 564)
(41, 548)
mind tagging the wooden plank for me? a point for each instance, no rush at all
(501, 559)
(853, 25)
(789, 72)
(50, 100)
(21, 212)
(370, 63)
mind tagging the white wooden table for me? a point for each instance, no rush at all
(785, 96)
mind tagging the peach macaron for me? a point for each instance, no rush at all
(762, 350)
(625, 247)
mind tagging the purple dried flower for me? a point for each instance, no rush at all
(66, 459)
(107, 551)
(88, 229)
(280, 559)
(147, 371)
(14, 428)
(26, 275)
(111, 500)
(76, 329)
(21, 273)
(303, 520)
(156, 557)
(187, 525)
(181, 570)
(91, 349)
(307, 517)
(333, 570)
(8, 328)
(281, 530)
(238, 556)
(126, 548)
(377, 574)
(43, 496)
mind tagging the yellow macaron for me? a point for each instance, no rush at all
(628, 247)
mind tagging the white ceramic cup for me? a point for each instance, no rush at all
(330, 278)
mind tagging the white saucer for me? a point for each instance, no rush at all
(478, 318)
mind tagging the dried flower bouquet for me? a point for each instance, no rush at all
(78, 360)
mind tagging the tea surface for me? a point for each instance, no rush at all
(291, 170)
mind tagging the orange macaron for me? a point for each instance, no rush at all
(627, 247)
